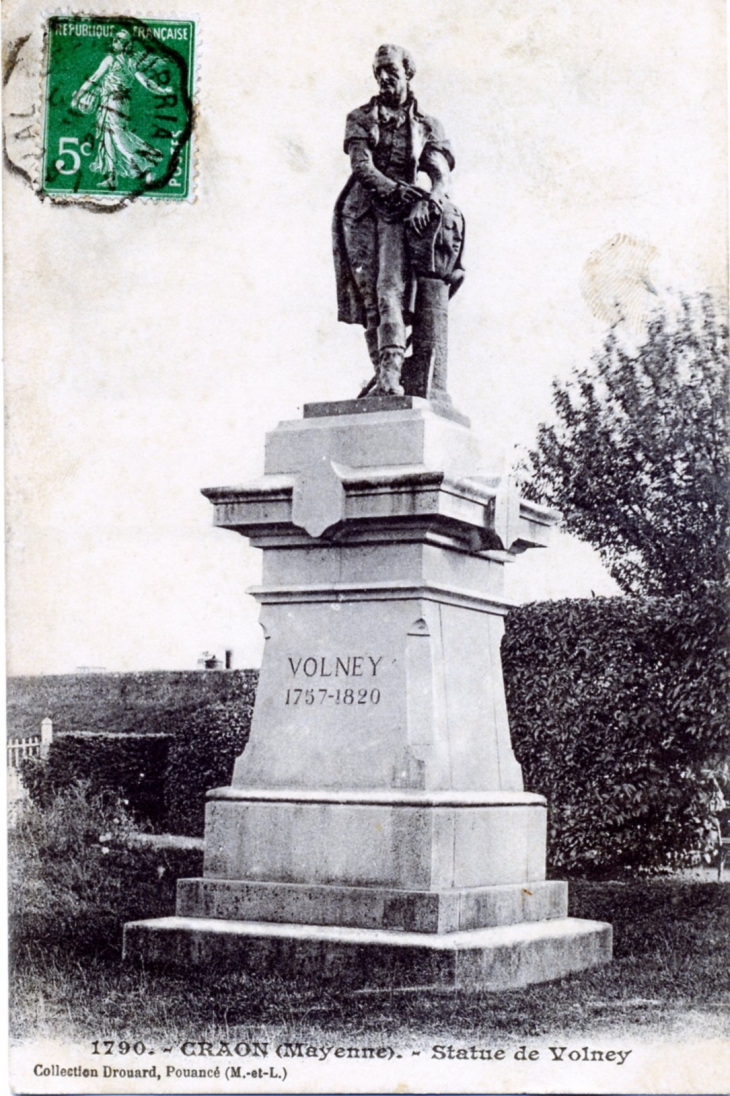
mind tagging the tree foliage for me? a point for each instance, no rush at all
(638, 461)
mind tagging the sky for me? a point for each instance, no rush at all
(149, 351)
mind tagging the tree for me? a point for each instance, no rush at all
(638, 461)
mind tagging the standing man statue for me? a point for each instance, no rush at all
(398, 247)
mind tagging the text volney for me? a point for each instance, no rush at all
(328, 666)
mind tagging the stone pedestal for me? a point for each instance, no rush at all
(376, 829)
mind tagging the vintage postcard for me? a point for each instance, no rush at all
(367, 486)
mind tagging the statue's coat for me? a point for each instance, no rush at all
(426, 134)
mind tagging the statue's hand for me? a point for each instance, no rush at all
(410, 194)
(419, 216)
(401, 199)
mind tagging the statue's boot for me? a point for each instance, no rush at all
(391, 351)
(390, 364)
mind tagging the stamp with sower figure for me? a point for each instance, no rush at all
(118, 117)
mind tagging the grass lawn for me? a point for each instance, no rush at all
(669, 977)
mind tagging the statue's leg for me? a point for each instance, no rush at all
(392, 275)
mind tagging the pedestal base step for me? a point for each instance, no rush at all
(500, 958)
(385, 908)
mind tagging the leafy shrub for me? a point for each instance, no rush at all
(75, 876)
(164, 772)
(201, 757)
(132, 765)
(619, 714)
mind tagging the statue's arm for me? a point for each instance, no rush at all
(96, 77)
(436, 166)
(365, 171)
(146, 82)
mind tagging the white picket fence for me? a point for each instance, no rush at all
(18, 749)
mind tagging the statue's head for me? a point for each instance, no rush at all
(122, 41)
(394, 68)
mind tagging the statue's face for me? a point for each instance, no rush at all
(121, 41)
(452, 232)
(392, 81)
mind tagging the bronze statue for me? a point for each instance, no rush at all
(398, 247)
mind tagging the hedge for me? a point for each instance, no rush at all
(162, 775)
(132, 765)
(619, 716)
(201, 757)
(116, 702)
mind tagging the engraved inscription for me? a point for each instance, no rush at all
(333, 666)
(348, 697)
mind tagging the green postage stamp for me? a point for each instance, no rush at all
(118, 117)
